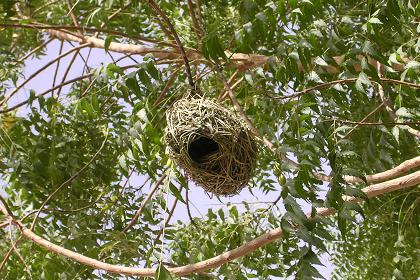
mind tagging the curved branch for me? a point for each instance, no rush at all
(372, 123)
(61, 28)
(378, 177)
(371, 191)
(114, 46)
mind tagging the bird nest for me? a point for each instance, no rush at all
(211, 144)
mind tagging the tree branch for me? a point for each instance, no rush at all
(361, 123)
(155, 6)
(56, 87)
(68, 70)
(72, 15)
(195, 25)
(57, 66)
(364, 119)
(63, 28)
(144, 203)
(349, 80)
(371, 191)
(389, 106)
(41, 46)
(39, 71)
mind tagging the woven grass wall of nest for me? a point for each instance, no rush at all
(211, 144)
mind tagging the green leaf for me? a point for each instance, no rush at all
(132, 84)
(212, 47)
(123, 163)
(403, 112)
(355, 192)
(286, 226)
(375, 20)
(297, 11)
(342, 226)
(354, 206)
(174, 190)
(364, 79)
(312, 258)
(293, 206)
(320, 61)
(162, 273)
(114, 69)
(397, 274)
(412, 65)
(233, 212)
(221, 214)
(108, 41)
(396, 133)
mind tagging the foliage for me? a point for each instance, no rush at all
(92, 151)
(395, 253)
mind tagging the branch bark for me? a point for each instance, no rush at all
(275, 234)
(240, 61)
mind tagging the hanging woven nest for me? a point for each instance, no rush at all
(211, 144)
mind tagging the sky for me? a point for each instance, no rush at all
(200, 201)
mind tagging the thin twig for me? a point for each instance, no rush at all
(41, 46)
(57, 66)
(40, 70)
(168, 219)
(86, 91)
(161, 231)
(177, 40)
(195, 25)
(187, 200)
(9, 253)
(144, 203)
(4, 224)
(167, 87)
(63, 210)
(45, 93)
(68, 70)
(389, 106)
(72, 15)
(371, 123)
(222, 93)
(328, 84)
(225, 95)
(54, 88)
(364, 119)
(14, 244)
(6, 207)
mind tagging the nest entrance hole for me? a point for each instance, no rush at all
(202, 148)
